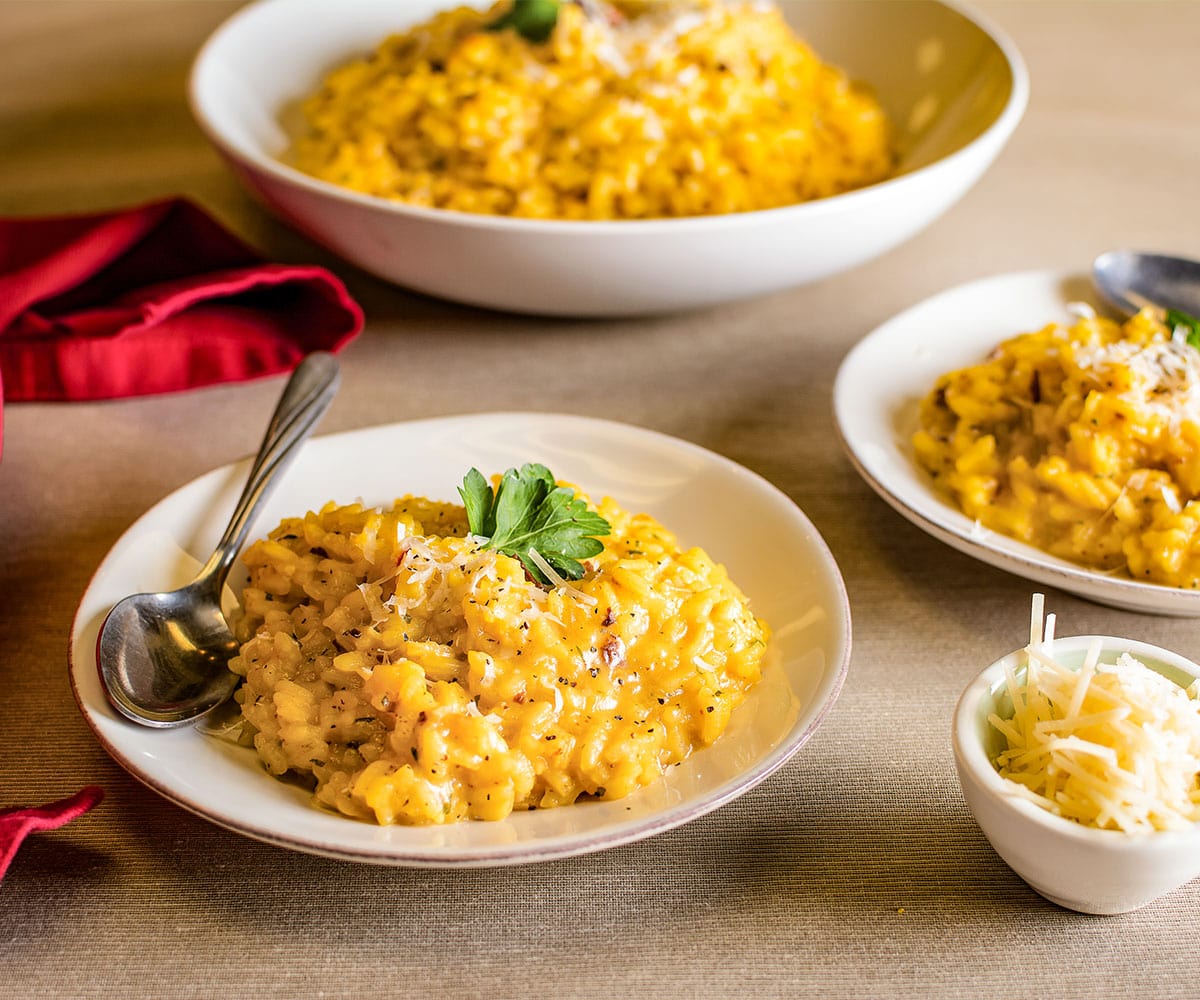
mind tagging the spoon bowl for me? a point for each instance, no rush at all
(1129, 281)
(163, 658)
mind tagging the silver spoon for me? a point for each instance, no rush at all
(1129, 281)
(163, 657)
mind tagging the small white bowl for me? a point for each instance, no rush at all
(1079, 867)
(955, 87)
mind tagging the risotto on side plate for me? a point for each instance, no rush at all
(1082, 440)
(415, 677)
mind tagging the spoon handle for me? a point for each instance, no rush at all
(305, 398)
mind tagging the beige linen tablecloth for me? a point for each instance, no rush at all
(854, 871)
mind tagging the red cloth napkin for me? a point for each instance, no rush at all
(16, 824)
(153, 299)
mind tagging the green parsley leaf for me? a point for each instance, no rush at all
(477, 498)
(534, 19)
(1175, 319)
(529, 510)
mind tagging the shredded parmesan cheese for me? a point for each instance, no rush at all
(555, 578)
(1110, 745)
(1163, 375)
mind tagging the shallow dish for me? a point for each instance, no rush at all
(882, 381)
(1079, 867)
(771, 549)
(955, 87)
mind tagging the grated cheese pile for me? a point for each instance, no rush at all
(1114, 746)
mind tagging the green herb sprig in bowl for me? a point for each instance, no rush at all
(530, 517)
(1175, 319)
(533, 19)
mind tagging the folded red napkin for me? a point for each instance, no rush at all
(16, 824)
(153, 299)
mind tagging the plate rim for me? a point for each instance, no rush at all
(935, 516)
(559, 845)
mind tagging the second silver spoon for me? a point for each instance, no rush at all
(1129, 281)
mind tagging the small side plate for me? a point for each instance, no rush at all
(880, 385)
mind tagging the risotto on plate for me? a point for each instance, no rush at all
(1082, 440)
(412, 675)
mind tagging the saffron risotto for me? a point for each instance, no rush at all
(633, 111)
(413, 677)
(1082, 440)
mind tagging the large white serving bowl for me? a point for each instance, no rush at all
(954, 86)
(1081, 868)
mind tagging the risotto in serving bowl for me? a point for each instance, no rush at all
(624, 111)
(643, 158)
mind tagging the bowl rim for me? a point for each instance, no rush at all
(996, 134)
(973, 761)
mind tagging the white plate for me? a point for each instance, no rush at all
(876, 396)
(771, 549)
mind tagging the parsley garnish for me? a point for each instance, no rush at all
(534, 19)
(529, 510)
(1176, 319)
